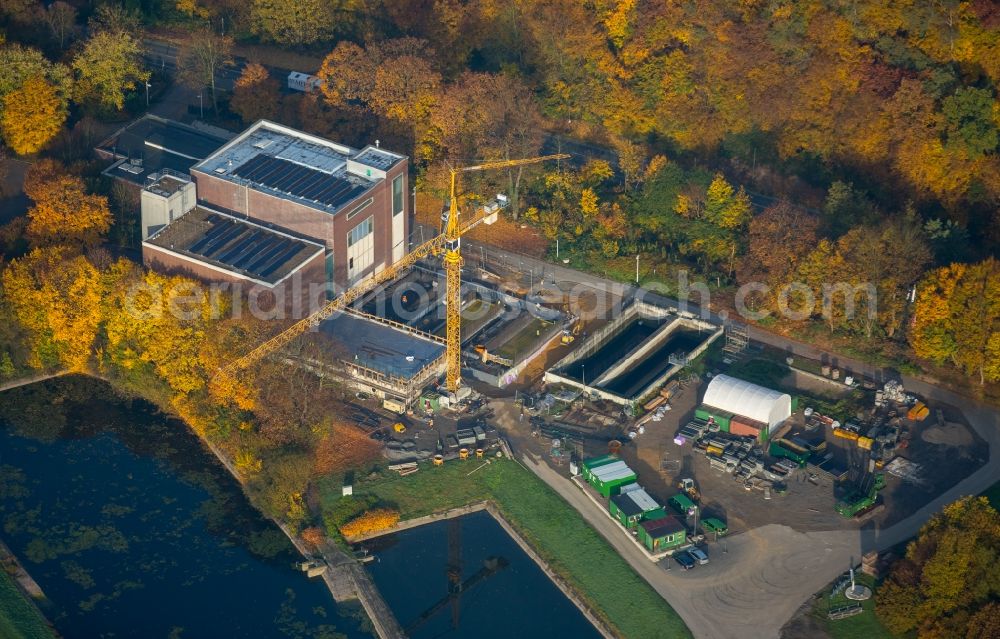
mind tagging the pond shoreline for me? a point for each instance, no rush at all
(30, 590)
(343, 577)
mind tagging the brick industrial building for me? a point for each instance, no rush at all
(285, 214)
(297, 186)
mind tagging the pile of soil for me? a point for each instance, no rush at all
(949, 434)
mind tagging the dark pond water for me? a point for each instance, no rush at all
(132, 529)
(505, 595)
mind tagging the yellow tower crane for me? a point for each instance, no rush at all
(225, 380)
(453, 265)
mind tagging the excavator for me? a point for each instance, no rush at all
(449, 242)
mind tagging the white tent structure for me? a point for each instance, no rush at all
(748, 400)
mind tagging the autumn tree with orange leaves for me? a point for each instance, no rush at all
(255, 94)
(314, 536)
(372, 521)
(64, 213)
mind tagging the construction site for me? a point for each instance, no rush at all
(678, 427)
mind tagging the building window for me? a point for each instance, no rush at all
(397, 195)
(360, 248)
(361, 207)
(359, 232)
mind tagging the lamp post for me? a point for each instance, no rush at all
(636, 268)
(147, 94)
(201, 106)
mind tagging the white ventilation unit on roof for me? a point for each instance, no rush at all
(262, 144)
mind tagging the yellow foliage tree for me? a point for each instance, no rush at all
(724, 206)
(56, 298)
(65, 213)
(589, 203)
(371, 521)
(32, 115)
(192, 8)
(160, 321)
(109, 65)
(931, 334)
(248, 463)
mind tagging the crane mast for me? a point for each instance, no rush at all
(453, 265)
(450, 241)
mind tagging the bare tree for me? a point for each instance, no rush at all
(205, 54)
(61, 18)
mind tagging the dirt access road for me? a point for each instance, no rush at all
(765, 574)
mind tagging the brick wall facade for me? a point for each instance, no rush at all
(302, 293)
(331, 230)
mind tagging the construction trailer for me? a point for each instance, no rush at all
(659, 535)
(631, 505)
(607, 474)
(682, 504)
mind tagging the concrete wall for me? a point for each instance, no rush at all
(156, 211)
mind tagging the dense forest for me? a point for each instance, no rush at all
(947, 583)
(793, 145)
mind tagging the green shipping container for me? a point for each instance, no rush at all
(777, 450)
(721, 417)
(682, 503)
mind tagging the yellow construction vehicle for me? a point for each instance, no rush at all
(224, 381)
(399, 427)
(687, 485)
(569, 336)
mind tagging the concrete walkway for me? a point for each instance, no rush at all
(25, 381)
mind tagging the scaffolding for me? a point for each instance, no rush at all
(737, 338)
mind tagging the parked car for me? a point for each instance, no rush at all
(699, 555)
(685, 560)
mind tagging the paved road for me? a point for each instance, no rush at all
(163, 55)
(768, 572)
